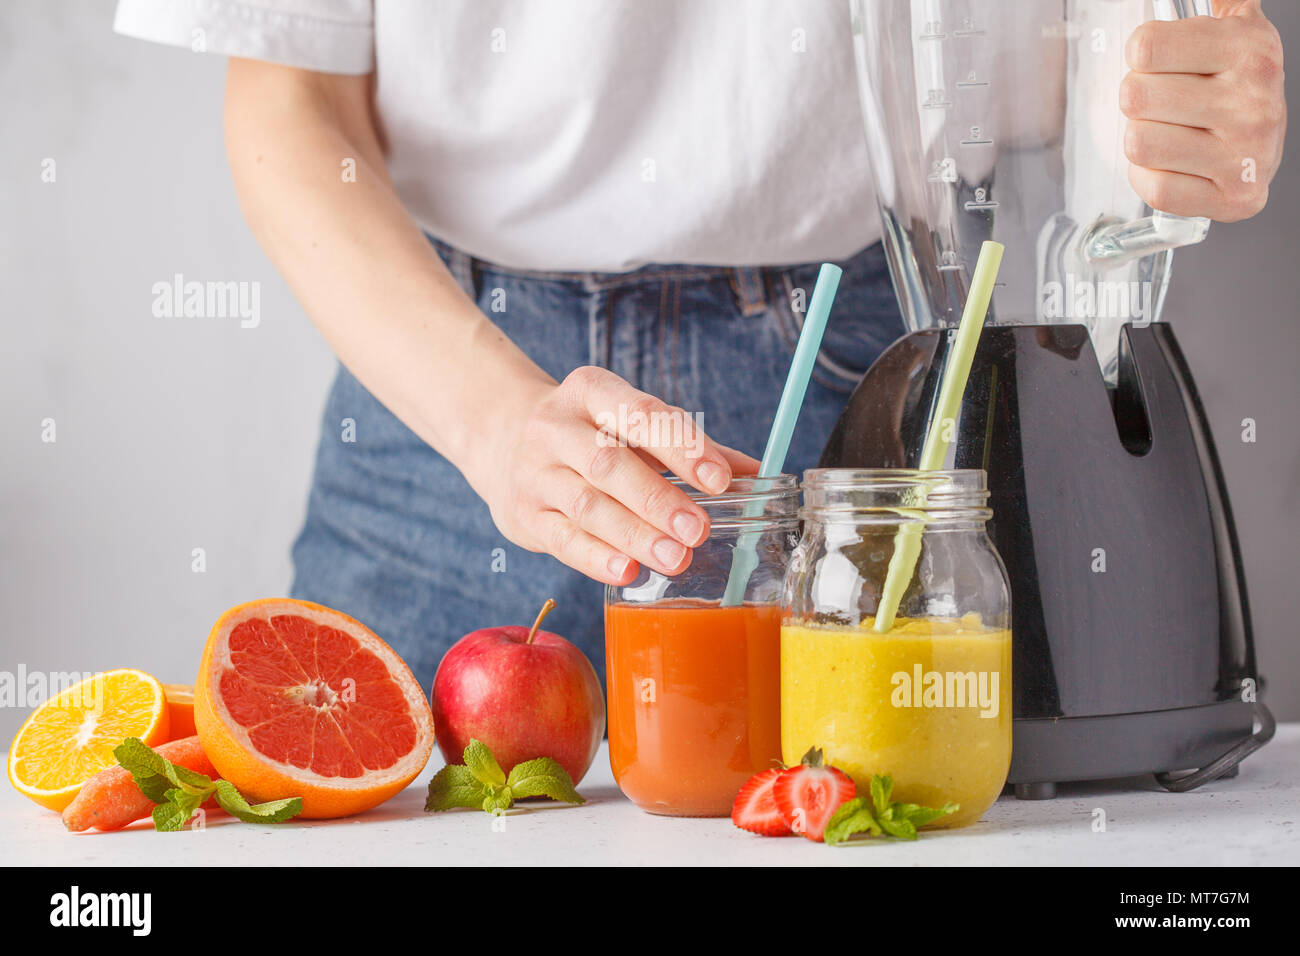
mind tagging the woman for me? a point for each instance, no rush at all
(520, 224)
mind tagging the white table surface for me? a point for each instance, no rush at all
(1253, 819)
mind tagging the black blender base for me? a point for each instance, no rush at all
(1046, 752)
(1111, 515)
(1047, 791)
(1035, 791)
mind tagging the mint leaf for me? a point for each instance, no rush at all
(481, 785)
(134, 755)
(454, 786)
(919, 816)
(154, 774)
(272, 811)
(853, 816)
(478, 758)
(169, 818)
(498, 799)
(543, 777)
(145, 767)
(899, 820)
(902, 829)
(179, 791)
(881, 789)
(175, 811)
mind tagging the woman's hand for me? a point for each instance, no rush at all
(576, 475)
(1206, 112)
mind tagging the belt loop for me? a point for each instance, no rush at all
(463, 270)
(747, 281)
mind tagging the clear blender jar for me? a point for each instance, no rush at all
(1000, 119)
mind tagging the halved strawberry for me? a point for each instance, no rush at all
(755, 810)
(809, 794)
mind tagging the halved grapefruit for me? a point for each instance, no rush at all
(297, 700)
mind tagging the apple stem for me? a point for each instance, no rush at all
(546, 609)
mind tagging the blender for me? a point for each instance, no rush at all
(1000, 119)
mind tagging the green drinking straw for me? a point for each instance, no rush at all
(907, 542)
(744, 559)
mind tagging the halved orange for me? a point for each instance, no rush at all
(294, 699)
(70, 737)
(180, 710)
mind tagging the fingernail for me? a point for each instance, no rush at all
(687, 527)
(618, 566)
(712, 477)
(668, 552)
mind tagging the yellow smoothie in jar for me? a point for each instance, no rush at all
(928, 702)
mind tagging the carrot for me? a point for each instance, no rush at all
(110, 799)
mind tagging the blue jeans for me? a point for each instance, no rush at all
(395, 537)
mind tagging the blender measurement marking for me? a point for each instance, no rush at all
(981, 201)
(936, 99)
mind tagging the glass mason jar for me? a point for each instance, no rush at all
(928, 700)
(694, 687)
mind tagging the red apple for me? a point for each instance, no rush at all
(525, 693)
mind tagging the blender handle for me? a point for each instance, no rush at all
(1224, 764)
(1119, 242)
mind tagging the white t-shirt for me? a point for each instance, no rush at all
(588, 134)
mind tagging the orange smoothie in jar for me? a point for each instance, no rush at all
(694, 701)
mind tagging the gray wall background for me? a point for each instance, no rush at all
(175, 434)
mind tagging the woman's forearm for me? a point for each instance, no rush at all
(381, 296)
(361, 268)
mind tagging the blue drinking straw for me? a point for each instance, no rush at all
(744, 559)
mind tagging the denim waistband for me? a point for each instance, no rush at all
(749, 283)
